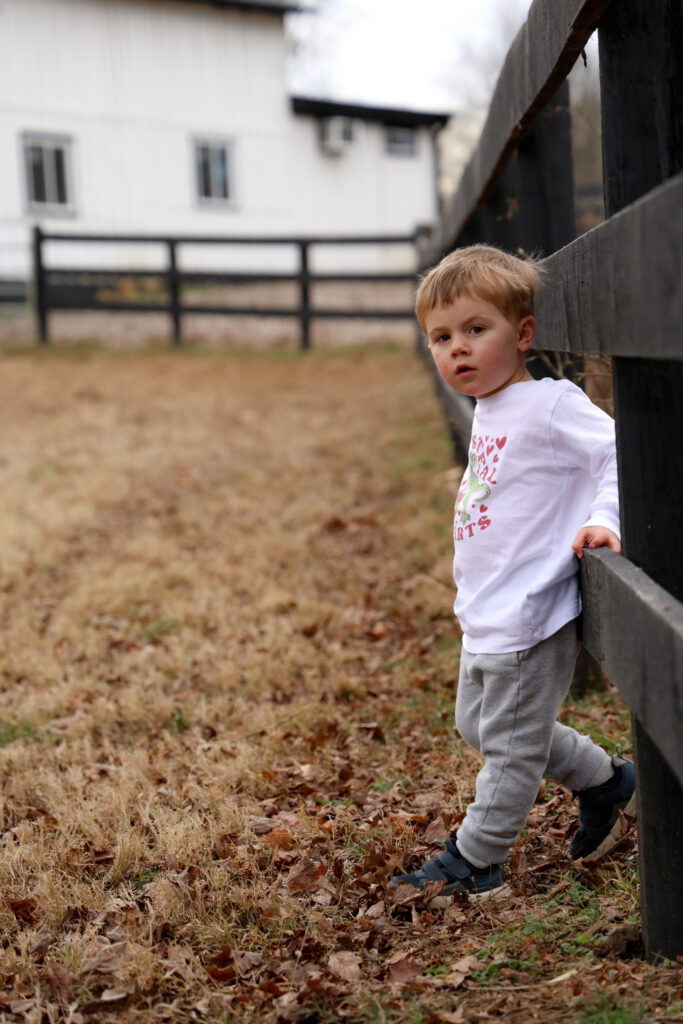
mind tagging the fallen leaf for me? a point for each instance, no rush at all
(222, 959)
(374, 730)
(322, 924)
(38, 815)
(436, 830)
(325, 893)
(624, 941)
(562, 977)
(433, 889)
(102, 856)
(403, 968)
(448, 1017)
(460, 971)
(334, 524)
(8, 997)
(107, 959)
(280, 837)
(261, 826)
(345, 965)
(119, 994)
(405, 894)
(23, 910)
(60, 982)
(187, 877)
(42, 945)
(304, 875)
(74, 915)
(247, 961)
(221, 974)
(176, 963)
(19, 1006)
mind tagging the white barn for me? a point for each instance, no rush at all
(173, 117)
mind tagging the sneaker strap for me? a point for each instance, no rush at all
(454, 867)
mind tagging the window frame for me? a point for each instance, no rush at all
(400, 140)
(200, 142)
(53, 142)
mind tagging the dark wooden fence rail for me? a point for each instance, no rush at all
(58, 288)
(616, 290)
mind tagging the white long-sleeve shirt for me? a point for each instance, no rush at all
(542, 464)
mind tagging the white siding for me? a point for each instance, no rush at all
(133, 82)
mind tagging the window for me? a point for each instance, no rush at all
(212, 162)
(46, 159)
(400, 141)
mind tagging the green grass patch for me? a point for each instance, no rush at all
(27, 730)
(158, 628)
(608, 1009)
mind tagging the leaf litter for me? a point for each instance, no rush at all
(228, 664)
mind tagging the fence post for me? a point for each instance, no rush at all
(174, 290)
(532, 205)
(39, 285)
(305, 313)
(641, 82)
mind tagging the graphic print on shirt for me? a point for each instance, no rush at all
(476, 487)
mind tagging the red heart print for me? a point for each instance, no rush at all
(483, 508)
(500, 441)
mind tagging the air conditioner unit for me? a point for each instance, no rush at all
(336, 133)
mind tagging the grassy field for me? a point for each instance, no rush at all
(227, 661)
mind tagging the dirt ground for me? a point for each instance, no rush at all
(227, 663)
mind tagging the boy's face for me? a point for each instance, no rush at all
(477, 350)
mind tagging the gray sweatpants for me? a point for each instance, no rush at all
(506, 707)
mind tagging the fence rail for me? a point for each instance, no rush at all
(61, 288)
(617, 291)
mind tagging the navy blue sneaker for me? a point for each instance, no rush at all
(599, 806)
(458, 874)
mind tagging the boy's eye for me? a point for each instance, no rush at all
(440, 338)
(475, 329)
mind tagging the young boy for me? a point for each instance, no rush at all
(541, 483)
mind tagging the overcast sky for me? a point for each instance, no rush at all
(423, 54)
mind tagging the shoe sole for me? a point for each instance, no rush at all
(612, 837)
(444, 899)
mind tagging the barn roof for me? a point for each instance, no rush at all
(271, 6)
(385, 115)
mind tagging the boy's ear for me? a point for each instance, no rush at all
(526, 332)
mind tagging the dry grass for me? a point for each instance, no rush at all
(226, 662)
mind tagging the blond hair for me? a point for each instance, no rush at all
(509, 282)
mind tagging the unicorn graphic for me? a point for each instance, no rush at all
(471, 490)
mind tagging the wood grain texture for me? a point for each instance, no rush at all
(641, 78)
(618, 289)
(641, 92)
(634, 629)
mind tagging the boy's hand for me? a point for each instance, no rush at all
(595, 537)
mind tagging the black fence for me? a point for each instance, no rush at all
(13, 292)
(73, 288)
(615, 291)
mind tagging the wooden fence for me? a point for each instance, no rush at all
(618, 291)
(61, 288)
